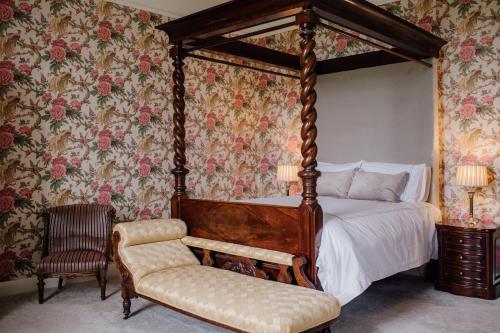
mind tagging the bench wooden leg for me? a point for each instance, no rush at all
(60, 283)
(126, 305)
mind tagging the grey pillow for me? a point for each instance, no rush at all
(335, 184)
(378, 186)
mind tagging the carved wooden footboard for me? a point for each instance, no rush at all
(294, 230)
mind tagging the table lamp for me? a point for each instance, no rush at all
(288, 174)
(472, 177)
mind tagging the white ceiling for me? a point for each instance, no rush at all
(178, 8)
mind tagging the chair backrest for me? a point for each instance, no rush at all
(79, 227)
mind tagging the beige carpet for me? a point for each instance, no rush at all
(402, 303)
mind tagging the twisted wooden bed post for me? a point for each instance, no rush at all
(179, 119)
(311, 210)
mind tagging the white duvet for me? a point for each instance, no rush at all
(365, 241)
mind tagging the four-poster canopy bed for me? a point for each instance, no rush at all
(295, 230)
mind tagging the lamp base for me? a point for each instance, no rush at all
(471, 222)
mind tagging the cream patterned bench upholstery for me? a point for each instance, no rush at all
(156, 264)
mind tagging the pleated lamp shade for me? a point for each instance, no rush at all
(472, 175)
(288, 173)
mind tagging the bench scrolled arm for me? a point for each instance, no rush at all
(283, 259)
(150, 231)
(144, 247)
(240, 250)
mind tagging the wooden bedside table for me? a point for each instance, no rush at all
(469, 259)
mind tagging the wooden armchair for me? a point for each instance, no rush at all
(77, 242)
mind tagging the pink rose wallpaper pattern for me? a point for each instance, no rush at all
(85, 111)
(86, 117)
(468, 88)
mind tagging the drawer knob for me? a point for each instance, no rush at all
(461, 241)
(461, 273)
(461, 257)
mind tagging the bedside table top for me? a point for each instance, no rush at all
(462, 224)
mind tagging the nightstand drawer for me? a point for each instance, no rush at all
(465, 274)
(458, 258)
(471, 242)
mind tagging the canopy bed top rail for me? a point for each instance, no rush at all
(224, 62)
(357, 61)
(259, 54)
(373, 44)
(205, 29)
(229, 17)
(372, 21)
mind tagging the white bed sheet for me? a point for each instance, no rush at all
(365, 241)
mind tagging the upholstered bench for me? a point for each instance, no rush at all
(155, 263)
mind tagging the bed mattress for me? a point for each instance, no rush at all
(365, 241)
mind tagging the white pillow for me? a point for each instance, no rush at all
(336, 167)
(417, 183)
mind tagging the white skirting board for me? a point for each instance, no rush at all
(26, 285)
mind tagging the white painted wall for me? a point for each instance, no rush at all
(383, 114)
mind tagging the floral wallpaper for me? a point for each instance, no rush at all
(469, 91)
(469, 86)
(85, 113)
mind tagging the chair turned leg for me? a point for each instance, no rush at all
(102, 283)
(60, 283)
(126, 307)
(41, 285)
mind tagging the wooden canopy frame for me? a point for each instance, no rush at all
(296, 230)
(204, 30)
